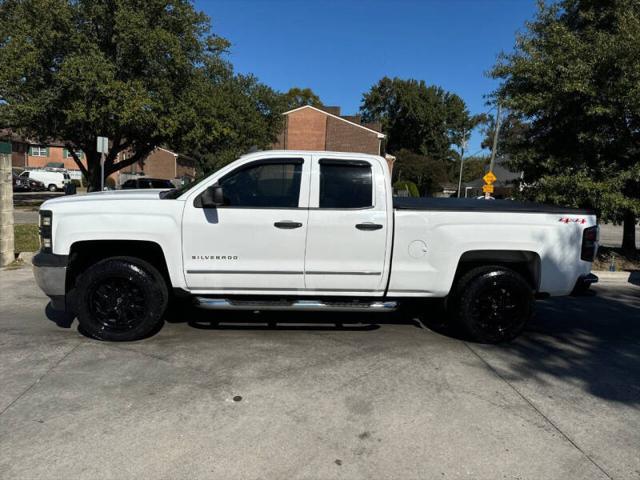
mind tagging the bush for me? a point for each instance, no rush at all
(407, 186)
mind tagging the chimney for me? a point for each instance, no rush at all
(332, 110)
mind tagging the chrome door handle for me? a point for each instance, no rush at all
(287, 224)
(368, 226)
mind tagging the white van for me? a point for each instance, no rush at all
(53, 181)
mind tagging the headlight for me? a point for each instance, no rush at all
(45, 230)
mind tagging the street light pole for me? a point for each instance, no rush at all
(464, 144)
(495, 140)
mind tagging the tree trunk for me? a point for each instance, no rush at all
(93, 169)
(629, 233)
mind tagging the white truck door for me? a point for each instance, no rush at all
(348, 226)
(255, 242)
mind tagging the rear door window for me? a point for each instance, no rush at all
(345, 184)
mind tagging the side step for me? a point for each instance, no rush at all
(297, 305)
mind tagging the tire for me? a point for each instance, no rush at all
(121, 299)
(52, 188)
(492, 304)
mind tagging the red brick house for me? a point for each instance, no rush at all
(323, 128)
(161, 163)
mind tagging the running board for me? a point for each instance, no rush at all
(297, 305)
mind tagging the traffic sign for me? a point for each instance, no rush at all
(487, 188)
(102, 145)
(489, 178)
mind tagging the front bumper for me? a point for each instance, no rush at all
(50, 271)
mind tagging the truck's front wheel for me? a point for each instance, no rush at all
(493, 304)
(121, 299)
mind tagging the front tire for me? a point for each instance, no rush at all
(121, 299)
(493, 304)
(52, 188)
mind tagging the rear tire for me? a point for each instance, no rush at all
(492, 303)
(121, 299)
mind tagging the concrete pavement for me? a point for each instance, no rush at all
(381, 399)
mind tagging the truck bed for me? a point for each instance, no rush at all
(475, 205)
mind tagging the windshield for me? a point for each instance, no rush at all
(176, 192)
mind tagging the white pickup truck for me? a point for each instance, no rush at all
(302, 230)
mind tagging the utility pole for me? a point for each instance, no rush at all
(7, 254)
(102, 172)
(464, 144)
(495, 140)
(102, 146)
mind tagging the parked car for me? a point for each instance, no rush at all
(22, 184)
(146, 182)
(53, 180)
(300, 230)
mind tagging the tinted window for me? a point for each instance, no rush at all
(263, 185)
(25, 174)
(345, 185)
(129, 184)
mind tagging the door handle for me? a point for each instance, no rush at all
(287, 224)
(368, 226)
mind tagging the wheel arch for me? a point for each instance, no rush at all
(525, 262)
(84, 253)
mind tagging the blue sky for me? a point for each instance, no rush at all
(341, 48)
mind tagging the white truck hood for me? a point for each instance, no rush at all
(146, 194)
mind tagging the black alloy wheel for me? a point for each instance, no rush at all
(117, 304)
(493, 304)
(121, 299)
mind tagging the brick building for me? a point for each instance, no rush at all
(161, 163)
(323, 128)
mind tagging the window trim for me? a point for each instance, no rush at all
(262, 161)
(348, 163)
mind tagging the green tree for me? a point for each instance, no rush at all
(474, 168)
(251, 116)
(299, 97)
(407, 186)
(573, 82)
(141, 73)
(426, 173)
(423, 119)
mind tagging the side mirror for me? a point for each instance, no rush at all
(212, 197)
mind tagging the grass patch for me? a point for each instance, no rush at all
(608, 256)
(26, 238)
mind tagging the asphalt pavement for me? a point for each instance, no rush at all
(275, 396)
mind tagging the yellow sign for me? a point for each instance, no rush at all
(489, 178)
(487, 188)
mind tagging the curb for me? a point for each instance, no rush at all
(26, 257)
(606, 276)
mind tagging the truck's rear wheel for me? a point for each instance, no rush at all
(493, 303)
(121, 299)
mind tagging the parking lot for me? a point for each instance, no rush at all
(275, 396)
